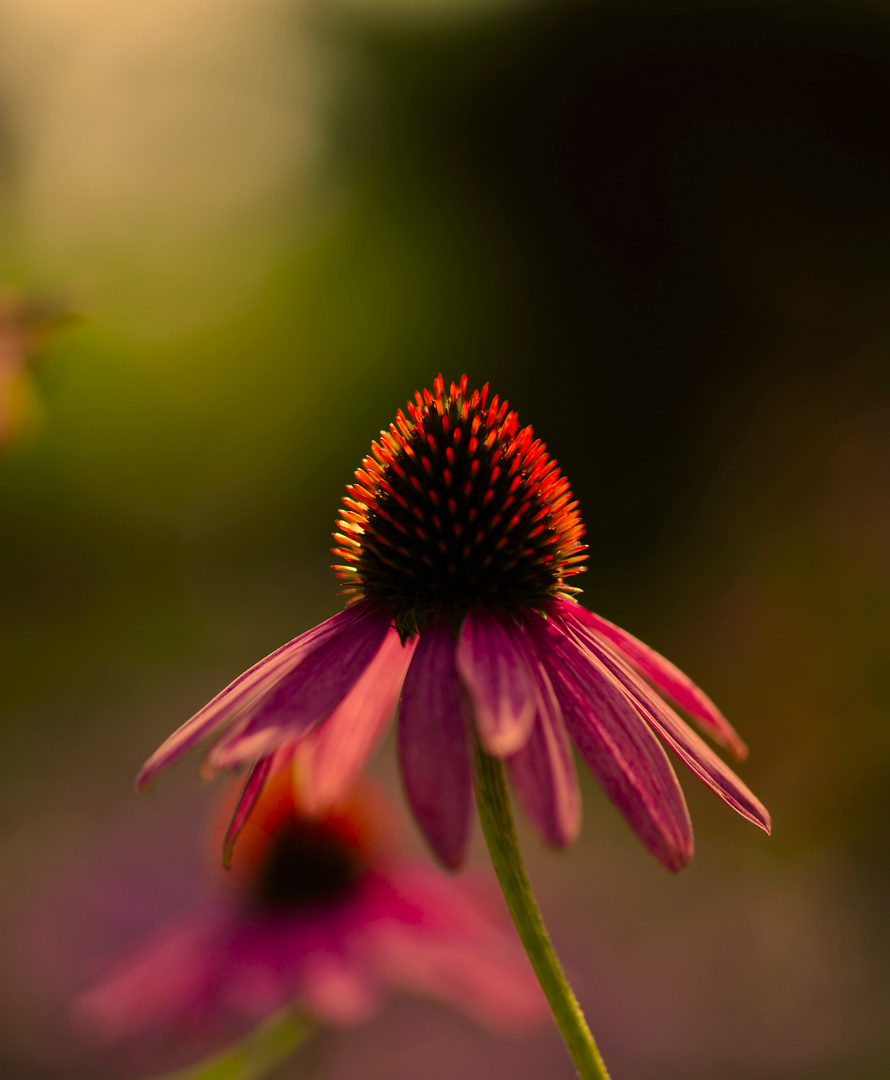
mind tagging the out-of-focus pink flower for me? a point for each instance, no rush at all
(459, 537)
(315, 913)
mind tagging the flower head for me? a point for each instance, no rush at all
(458, 507)
(457, 539)
(317, 913)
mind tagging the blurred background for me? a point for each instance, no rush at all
(663, 232)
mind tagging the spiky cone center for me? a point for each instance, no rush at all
(458, 506)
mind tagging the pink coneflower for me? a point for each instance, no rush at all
(458, 540)
(318, 914)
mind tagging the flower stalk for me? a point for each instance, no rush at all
(500, 835)
(273, 1042)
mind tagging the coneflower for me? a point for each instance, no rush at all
(459, 540)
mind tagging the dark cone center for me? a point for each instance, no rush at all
(306, 864)
(458, 506)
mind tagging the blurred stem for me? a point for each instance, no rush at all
(257, 1054)
(500, 835)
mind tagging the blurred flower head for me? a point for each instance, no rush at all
(459, 539)
(320, 914)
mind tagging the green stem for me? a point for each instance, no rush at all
(257, 1054)
(500, 835)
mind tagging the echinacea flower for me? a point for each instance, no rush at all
(459, 538)
(318, 914)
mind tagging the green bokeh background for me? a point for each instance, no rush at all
(662, 232)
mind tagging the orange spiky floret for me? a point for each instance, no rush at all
(457, 506)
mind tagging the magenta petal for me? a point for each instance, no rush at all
(309, 692)
(456, 948)
(329, 759)
(250, 792)
(543, 771)
(235, 748)
(624, 756)
(693, 751)
(336, 990)
(701, 759)
(434, 745)
(218, 712)
(664, 676)
(163, 979)
(498, 681)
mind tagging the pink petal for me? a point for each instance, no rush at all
(329, 759)
(250, 792)
(543, 771)
(206, 769)
(701, 759)
(622, 753)
(498, 680)
(238, 746)
(164, 978)
(456, 951)
(688, 746)
(239, 693)
(434, 745)
(663, 675)
(335, 990)
(309, 692)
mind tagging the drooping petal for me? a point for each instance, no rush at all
(664, 675)
(206, 769)
(237, 746)
(434, 745)
(499, 683)
(218, 712)
(254, 783)
(328, 760)
(624, 756)
(543, 771)
(701, 759)
(444, 938)
(162, 979)
(688, 746)
(309, 692)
